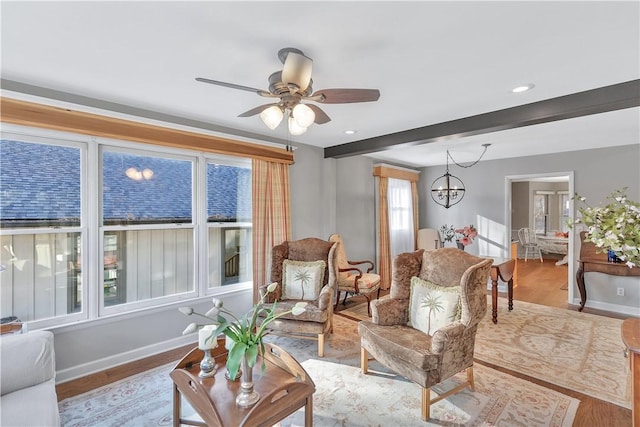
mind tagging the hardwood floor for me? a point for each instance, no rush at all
(538, 283)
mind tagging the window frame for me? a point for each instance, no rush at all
(93, 310)
(63, 139)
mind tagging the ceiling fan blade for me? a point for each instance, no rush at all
(321, 116)
(346, 96)
(256, 110)
(297, 70)
(234, 86)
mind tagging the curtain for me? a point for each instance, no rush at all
(271, 216)
(401, 218)
(384, 259)
(414, 201)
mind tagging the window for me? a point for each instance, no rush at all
(148, 227)
(565, 217)
(164, 225)
(401, 231)
(229, 223)
(41, 238)
(540, 212)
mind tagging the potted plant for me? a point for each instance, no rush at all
(614, 227)
(246, 337)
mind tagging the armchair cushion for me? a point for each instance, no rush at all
(302, 280)
(431, 306)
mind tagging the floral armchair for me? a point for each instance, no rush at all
(428, 359)
(295, 266)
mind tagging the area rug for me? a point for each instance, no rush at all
(579, 351)
(344, 397)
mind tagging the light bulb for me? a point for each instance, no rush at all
(295, 128)
(303, 115)
(272, 116)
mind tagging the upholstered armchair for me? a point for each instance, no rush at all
(440, 278)
(305, 270)
(351, 277)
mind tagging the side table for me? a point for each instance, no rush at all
(502, 268)
(284, 388)
(631, 337)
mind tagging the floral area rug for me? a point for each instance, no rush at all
(346, 397)
(343, 397)
(578, 351)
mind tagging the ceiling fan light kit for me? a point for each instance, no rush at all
(292, 85)
(272, 116)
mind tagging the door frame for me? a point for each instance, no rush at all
(509, 179)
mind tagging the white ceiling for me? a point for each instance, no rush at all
(431, 61)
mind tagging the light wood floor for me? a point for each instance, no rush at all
(538, 283)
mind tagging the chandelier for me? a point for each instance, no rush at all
(448, 189)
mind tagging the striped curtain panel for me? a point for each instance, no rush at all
(271, 216)
(384, 250)
(414, 196)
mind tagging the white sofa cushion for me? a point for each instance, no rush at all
(31, 406)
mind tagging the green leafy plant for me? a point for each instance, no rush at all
(615, 226)
(246, 336)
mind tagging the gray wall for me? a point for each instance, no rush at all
(596, 172)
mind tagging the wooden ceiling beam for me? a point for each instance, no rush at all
(608, 98)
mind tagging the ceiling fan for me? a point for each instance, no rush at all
(293, 85)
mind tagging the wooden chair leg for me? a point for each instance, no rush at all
(368, 305)
(320, 345)
(364, 360)
(426, 404)
(337, 300)
(470, 378)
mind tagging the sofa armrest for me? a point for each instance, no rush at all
(325, 299)
(27, 360)
(446, 336)
(389, 311)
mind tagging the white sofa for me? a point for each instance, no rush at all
(27, 380)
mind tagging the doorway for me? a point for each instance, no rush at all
(543, 202)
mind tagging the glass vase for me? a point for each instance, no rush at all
(247, 396)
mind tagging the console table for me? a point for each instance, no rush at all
(284, 388)
(631, 338)
(592, 261)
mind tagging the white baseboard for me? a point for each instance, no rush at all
(615, 308)
(83, 370)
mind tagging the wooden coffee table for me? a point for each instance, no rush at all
(284, 388)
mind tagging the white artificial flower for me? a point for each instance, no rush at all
(191, 328)
(186, 310)
(272, 287)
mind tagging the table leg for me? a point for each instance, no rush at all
(510, 292)
(308, 412)
(176, 406)
(494, 300)
(581, 287)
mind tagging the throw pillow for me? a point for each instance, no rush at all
(302, 280)
(432, 306)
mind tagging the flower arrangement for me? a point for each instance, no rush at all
(615, 226)
(246, 337)
(464, 235)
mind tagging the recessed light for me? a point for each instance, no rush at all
(523, 88)
(350, 132)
